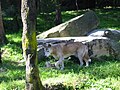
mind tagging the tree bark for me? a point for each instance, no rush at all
(58, 19)
(0, 56)
(29, 45)
(77, 8)
(3, 38)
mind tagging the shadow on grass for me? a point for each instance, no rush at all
(99, 69)
(11, 71)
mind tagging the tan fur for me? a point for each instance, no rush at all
(64, 50)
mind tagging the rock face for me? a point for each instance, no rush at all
(116, 48)
(98, 46)
(97, 33)
(113, 34)
(77, 26)
(114, 39)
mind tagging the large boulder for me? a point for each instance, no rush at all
(98, 46)
(77, 26)
(112, 35)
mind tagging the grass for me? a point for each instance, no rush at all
(109, 18)
(100, 75)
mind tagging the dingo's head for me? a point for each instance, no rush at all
(47, 49)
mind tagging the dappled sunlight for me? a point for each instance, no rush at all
(98, 75)
(13, 85)
(14, 37)
(101, 74)
(109, 18)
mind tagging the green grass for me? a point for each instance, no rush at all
(100, 75)
(109, 18)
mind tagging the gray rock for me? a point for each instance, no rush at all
(113, 34)
(115, 48)
(97, 33)
(98, 46)
(77, 26)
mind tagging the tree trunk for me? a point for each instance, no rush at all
(29, 45)
(3, 38)
(58, 19)
(77, 8)
(0, 56)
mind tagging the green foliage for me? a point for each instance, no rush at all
(109, 18)
(100, 75)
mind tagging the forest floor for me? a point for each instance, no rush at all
(100, 75)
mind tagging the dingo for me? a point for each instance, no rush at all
(63, 50)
